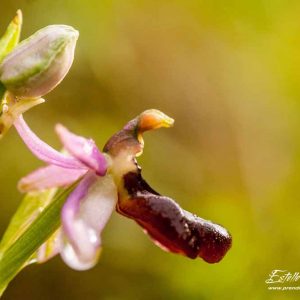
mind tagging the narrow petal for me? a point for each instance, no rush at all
(48, 177)
(42, 150)
(85, 150)
(84, 216)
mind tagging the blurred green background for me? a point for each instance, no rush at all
(229, 73)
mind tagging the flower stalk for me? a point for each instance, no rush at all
(12, 108)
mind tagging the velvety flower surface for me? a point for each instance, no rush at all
(110, 180)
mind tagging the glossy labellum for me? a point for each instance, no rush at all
(171, 227)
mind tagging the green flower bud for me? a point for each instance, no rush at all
(38, 64)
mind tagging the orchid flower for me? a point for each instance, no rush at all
(112, 179)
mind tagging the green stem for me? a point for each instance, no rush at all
(18, 254)
(2, 91)
(14, 110)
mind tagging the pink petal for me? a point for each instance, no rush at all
(48, 177)
(42, 150)
(84, 216)
(85, 150)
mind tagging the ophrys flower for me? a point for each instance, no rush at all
(113, 179)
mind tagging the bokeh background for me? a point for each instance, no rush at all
(229, 73)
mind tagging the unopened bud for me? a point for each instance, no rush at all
(39, 63)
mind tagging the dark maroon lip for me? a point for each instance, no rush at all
(171, 227)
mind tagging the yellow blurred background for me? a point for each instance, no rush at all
(229, 73)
